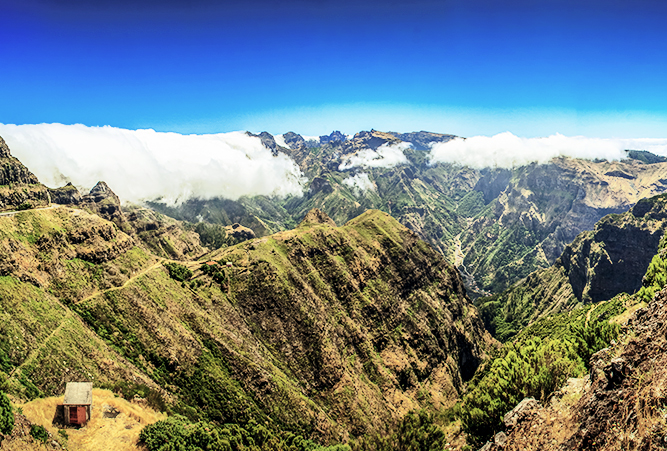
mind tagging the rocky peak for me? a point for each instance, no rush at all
(104, 202)
(4, 149)
(294, 140)
(334, 137)
(268, 141)
(370, 140)
(317, 216)
(18, 186)
(65, 195)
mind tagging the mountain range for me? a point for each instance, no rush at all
(397, 304)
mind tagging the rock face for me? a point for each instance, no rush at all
(18, 186)
(4, 149)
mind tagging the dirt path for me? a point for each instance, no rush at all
(12, 213)
(127, 282)
(37, 350)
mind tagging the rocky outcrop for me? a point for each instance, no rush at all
(65, 195)
(105, 203)
(613, 257)
(239, 233)
(19, 188)
(316, 216)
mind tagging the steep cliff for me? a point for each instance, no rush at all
(610, 259)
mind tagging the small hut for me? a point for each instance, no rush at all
(78, 399)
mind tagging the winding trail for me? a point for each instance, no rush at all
(126, 283)
(38, 349)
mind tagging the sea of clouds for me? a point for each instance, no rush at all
(507, 150)
(142, 165)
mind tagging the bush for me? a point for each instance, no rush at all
(39, 433)
(537, 363)
(24, 206)
(178, 272)
(178, 434)
(6, 415)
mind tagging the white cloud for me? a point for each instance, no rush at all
(144, 165)
(386, 156)
(360, 183)
(280, 140)
(507, 150)
(311, 138)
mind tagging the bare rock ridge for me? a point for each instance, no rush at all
(4, 149)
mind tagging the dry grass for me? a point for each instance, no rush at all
(117, 434)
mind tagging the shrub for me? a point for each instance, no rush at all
(6, 415)
(178, 272)
(39, 433)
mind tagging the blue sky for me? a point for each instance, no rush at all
(465, 67)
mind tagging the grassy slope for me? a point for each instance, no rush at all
(320, 330)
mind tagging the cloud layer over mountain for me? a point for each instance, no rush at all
(360, 183)
(144, 164)
(386, 156)
(507, 150)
